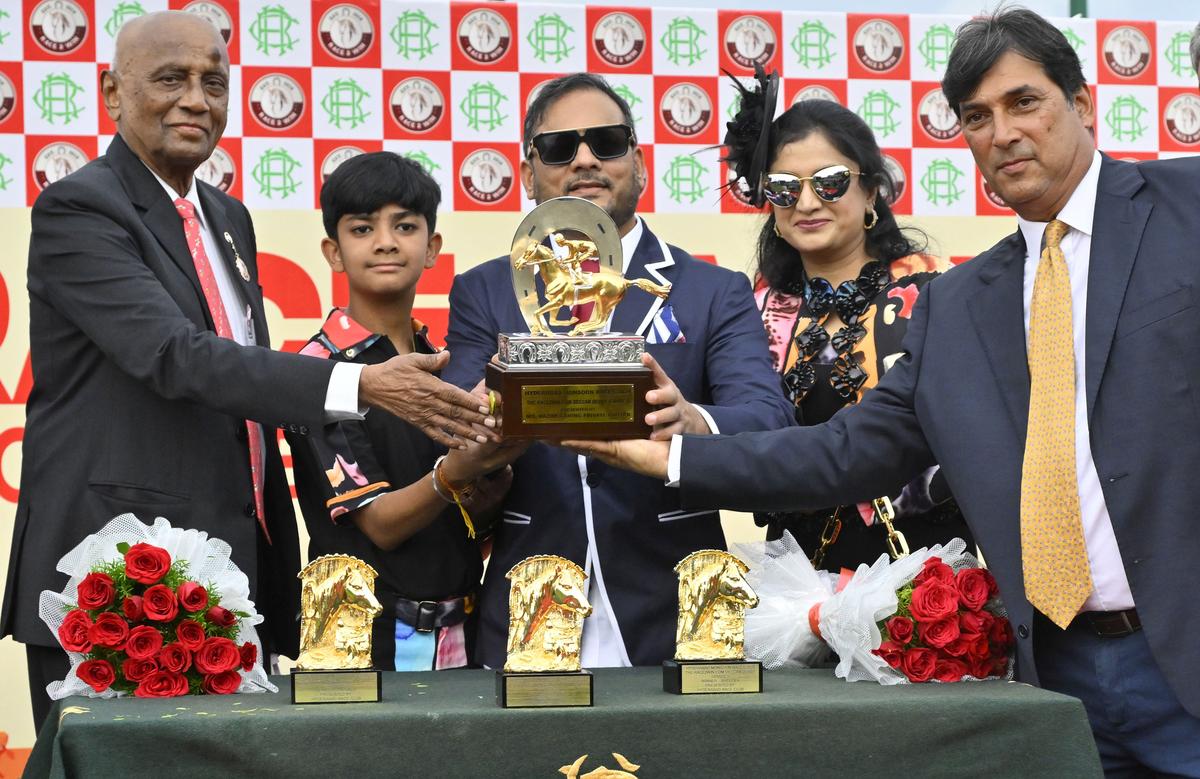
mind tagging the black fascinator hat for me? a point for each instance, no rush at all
(747, 136)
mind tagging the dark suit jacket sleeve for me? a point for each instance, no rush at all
(744, 390)
(470, 335)
(84, 260)
(864, 451)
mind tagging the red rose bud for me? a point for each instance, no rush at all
(993, 588)
(900, 629)
(938, 634)
(174, 658)
(972, 588)
(999, 665)
(217, 656)
(97, 674)
(137, 670)
(975, 621)
(957, 647)
(160, 603)
(249, 653)
(977, 646)
(221, 616)
(223, 683)
(74, 632)
(950, 670)
(109, 630)
(1000, 634)
(131, 607)
(95, 591)
(192, 596)
(933, 600)
(147, 564)
(891, 652)
(190, 634)
(918, 664)
(162, 684)
(934, 569)
(143, 643)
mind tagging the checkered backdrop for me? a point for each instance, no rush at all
(447, 83)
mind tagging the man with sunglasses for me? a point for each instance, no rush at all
(1054, 379)
(627, 531)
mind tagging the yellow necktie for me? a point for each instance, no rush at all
(1057, 577)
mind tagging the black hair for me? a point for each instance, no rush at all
(778, 261)
(551, 91)
(368, 182)
(983, 40)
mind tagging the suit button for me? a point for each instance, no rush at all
(593, 480)
(303, 429)
(240, 433)
(1023, 631)
(250, 510)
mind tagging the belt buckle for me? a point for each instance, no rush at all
(426, 616)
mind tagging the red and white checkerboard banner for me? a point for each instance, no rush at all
(448, 83)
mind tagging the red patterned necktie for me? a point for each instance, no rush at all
(583, 311)
(212, 296)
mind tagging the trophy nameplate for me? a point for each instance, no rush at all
(546, 609)
(711, 627)
(585, 383)
(337, 607)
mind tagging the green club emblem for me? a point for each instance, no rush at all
(811, 45)
(482, 106)
(275, 173)
(1124, 118)
(936, 45)
(684, 179)
(1077, 43)
(1178, 56)
(4, 34)
(878, 110)
(735, 105)
(58, 98)
(424, 160)
(121, 14)
(412, 35)
(343, 104)
(682, 41)
(272, 30)
(5, 161)
(630, 99)
(549, 38)
(941, 182)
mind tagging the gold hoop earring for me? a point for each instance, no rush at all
(777, 233)
(874, 220)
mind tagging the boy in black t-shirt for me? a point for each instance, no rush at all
(377, 488)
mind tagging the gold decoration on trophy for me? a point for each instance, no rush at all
(546, 609)
(337, 608)
(710, 630)
(626, 771)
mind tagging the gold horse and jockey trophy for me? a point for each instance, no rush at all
(585, 383)
(546, 609)
(337, 608)
(711, 628)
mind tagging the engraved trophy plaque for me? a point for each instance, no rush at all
(585, 383)
(337, 607)
(546, 609)
(711, 628)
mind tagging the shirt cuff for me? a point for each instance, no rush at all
(341, 397)
(673, 460)
(712, 425)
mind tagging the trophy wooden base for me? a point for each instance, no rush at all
(337, 685)
(542, 689)
(691, 677)
(566, 402)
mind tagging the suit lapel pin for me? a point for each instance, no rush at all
(237, 258)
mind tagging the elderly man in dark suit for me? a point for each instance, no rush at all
(1054, 379)
(153, 392)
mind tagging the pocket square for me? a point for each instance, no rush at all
(664, 329)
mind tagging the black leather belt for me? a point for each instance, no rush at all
(427, 615)
(1109, 624)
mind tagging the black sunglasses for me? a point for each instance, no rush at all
(559, 147)
(830, 184)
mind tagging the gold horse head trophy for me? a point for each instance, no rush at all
(337, 607)
(551, 244)
(713, 598)
(546, 609)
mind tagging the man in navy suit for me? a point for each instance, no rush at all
(627, 531)
(964, 396)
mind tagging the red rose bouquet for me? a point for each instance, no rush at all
(934, 615)
(154, 612)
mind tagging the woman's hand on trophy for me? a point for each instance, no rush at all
(638, 455)
(675, 414)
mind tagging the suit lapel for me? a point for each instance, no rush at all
(638, 308)
(1117, 233)
(229, 247)
(997, 311)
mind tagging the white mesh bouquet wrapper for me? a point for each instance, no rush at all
(208, 563)
(778, 633)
